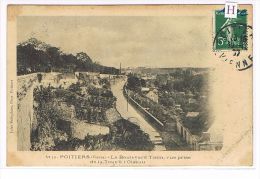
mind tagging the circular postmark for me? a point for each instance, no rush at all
(233, 45)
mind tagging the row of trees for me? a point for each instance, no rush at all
(36, 56)
(193, 83)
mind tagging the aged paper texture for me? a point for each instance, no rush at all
(139, 85)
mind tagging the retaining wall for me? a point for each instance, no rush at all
(25, 86)
(152, 119)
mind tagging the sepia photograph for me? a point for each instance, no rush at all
(158, 84)
(96, 99)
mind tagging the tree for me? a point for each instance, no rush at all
(36, 56)
(54, 55)
(134, 83)
(39, 77)
(82, 56)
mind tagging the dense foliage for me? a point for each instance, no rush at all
(158, 110)
(185, 82)
(89, 107)
(179, 92)
(134, 83)
(36, 56)
(129, 136)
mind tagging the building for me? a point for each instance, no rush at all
(148, 77)
(186, 134)
(144, 89)
(105, 76)
(209, 140)
(178, 108)
(153, 95)
(192, 101)
(192, 115)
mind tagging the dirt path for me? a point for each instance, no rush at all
(129, 113)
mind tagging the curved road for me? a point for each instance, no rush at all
(130, 113)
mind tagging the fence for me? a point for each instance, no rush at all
(151, 118)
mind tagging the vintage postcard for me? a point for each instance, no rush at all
(130, 85)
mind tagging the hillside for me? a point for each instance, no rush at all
(37, 56)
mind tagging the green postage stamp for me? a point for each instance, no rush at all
(230, 33)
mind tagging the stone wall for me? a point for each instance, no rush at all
(25, 86)
(151, 118)
(187, 135)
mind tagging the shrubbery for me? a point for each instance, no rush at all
(129, 136)
(46, 133)
(123, 134)
(155, 109)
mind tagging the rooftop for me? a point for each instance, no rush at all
(192, 114)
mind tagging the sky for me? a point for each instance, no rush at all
(147, 41)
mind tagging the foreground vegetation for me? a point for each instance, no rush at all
(89, 107)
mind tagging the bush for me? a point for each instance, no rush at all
(130, 137)
(39, 77)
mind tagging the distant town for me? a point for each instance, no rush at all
(178, 99)
(69, 102)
